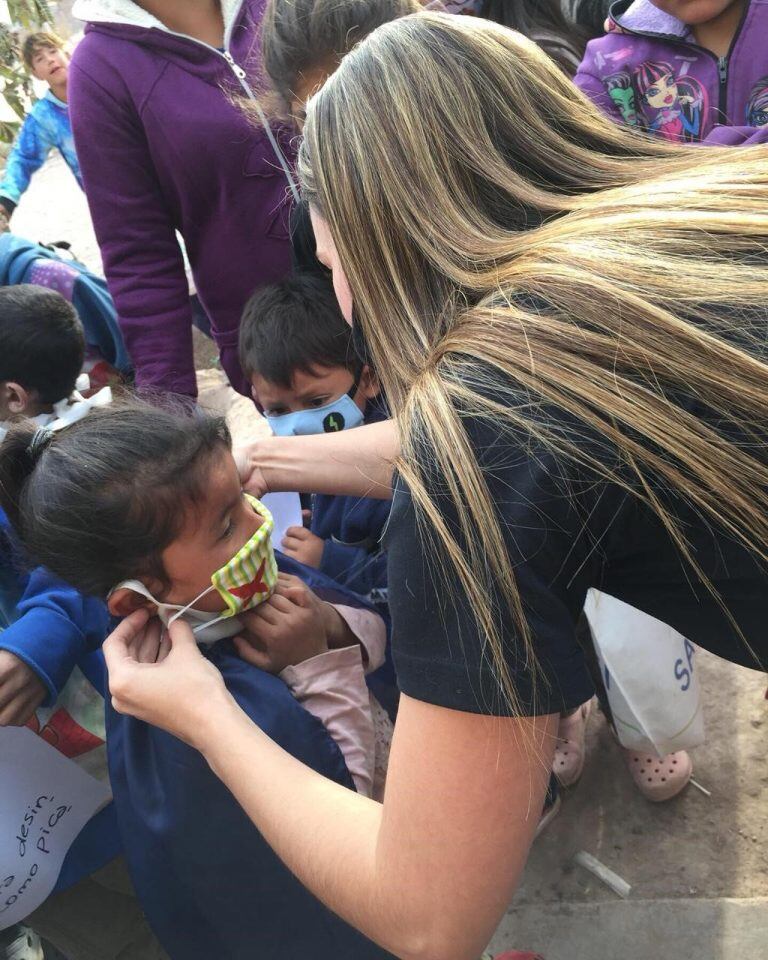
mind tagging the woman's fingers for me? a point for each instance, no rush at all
(119, 646)
(183, 643)
(164, 647)
(248, 469)
(148, 641)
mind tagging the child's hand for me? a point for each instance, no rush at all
(304, 546)
(292, 626)
(21, 691)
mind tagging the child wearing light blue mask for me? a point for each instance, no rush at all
(297, 351)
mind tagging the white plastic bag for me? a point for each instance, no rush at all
(650, 675)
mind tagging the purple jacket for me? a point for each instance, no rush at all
(655, 77)
(162, 149)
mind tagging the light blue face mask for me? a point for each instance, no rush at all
(340, 414)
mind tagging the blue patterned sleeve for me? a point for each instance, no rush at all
(33, 144)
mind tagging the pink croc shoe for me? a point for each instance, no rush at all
(659, 779)
(568, 762)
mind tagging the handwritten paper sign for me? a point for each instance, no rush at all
(286, 512)
(45, 801)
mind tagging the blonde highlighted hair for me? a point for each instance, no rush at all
(501, 239)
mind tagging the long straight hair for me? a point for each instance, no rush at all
(466, 183)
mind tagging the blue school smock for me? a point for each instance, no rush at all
(209, 884)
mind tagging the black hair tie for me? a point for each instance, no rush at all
(40, 440)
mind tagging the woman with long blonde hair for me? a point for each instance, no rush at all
(569, 324)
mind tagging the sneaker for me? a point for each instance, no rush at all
(20, 943)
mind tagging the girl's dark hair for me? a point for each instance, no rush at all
(298, 36)
(294, 325)
(543, 22)
(99, 501)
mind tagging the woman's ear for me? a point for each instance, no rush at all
(124, 601)
(369, 383)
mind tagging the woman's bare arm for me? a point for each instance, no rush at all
(356, 463)
(429, 873)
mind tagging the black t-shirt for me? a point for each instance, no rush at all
(566, 530)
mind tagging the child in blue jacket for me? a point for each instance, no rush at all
(297, 351)
(46, 126)
(51, 634)
(160, 524)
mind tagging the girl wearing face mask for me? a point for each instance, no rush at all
(144, 506)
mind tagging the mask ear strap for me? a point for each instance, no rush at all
(356, 382)
(191, 603)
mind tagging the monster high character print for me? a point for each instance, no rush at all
(757, 105)
(674, 107)
(622, 93)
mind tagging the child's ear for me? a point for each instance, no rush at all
(369, 383)
(15, 398)
(123, 601)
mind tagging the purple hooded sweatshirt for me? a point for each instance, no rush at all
(655, 76)
(163, 149)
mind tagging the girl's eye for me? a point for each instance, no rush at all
(653, 91)
(228, 529)
(318, 401)
(275, 411)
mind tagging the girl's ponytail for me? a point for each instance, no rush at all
(20, 452)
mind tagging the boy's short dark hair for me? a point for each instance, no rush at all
(36, 42)
(294, 325)
(41, 341)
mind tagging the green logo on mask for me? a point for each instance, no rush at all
(333, 423)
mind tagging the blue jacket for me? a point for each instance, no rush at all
(90, 296)
(54, 629)
(54, 626)
(209, 883)
(352, 528)
(45, 127)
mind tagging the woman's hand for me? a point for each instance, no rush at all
(162, 678)
(248, 462)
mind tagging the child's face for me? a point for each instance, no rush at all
(214, 530)
(50, 64)
(695, 12)
(310, 390)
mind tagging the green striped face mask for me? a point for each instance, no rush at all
(250, 576)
